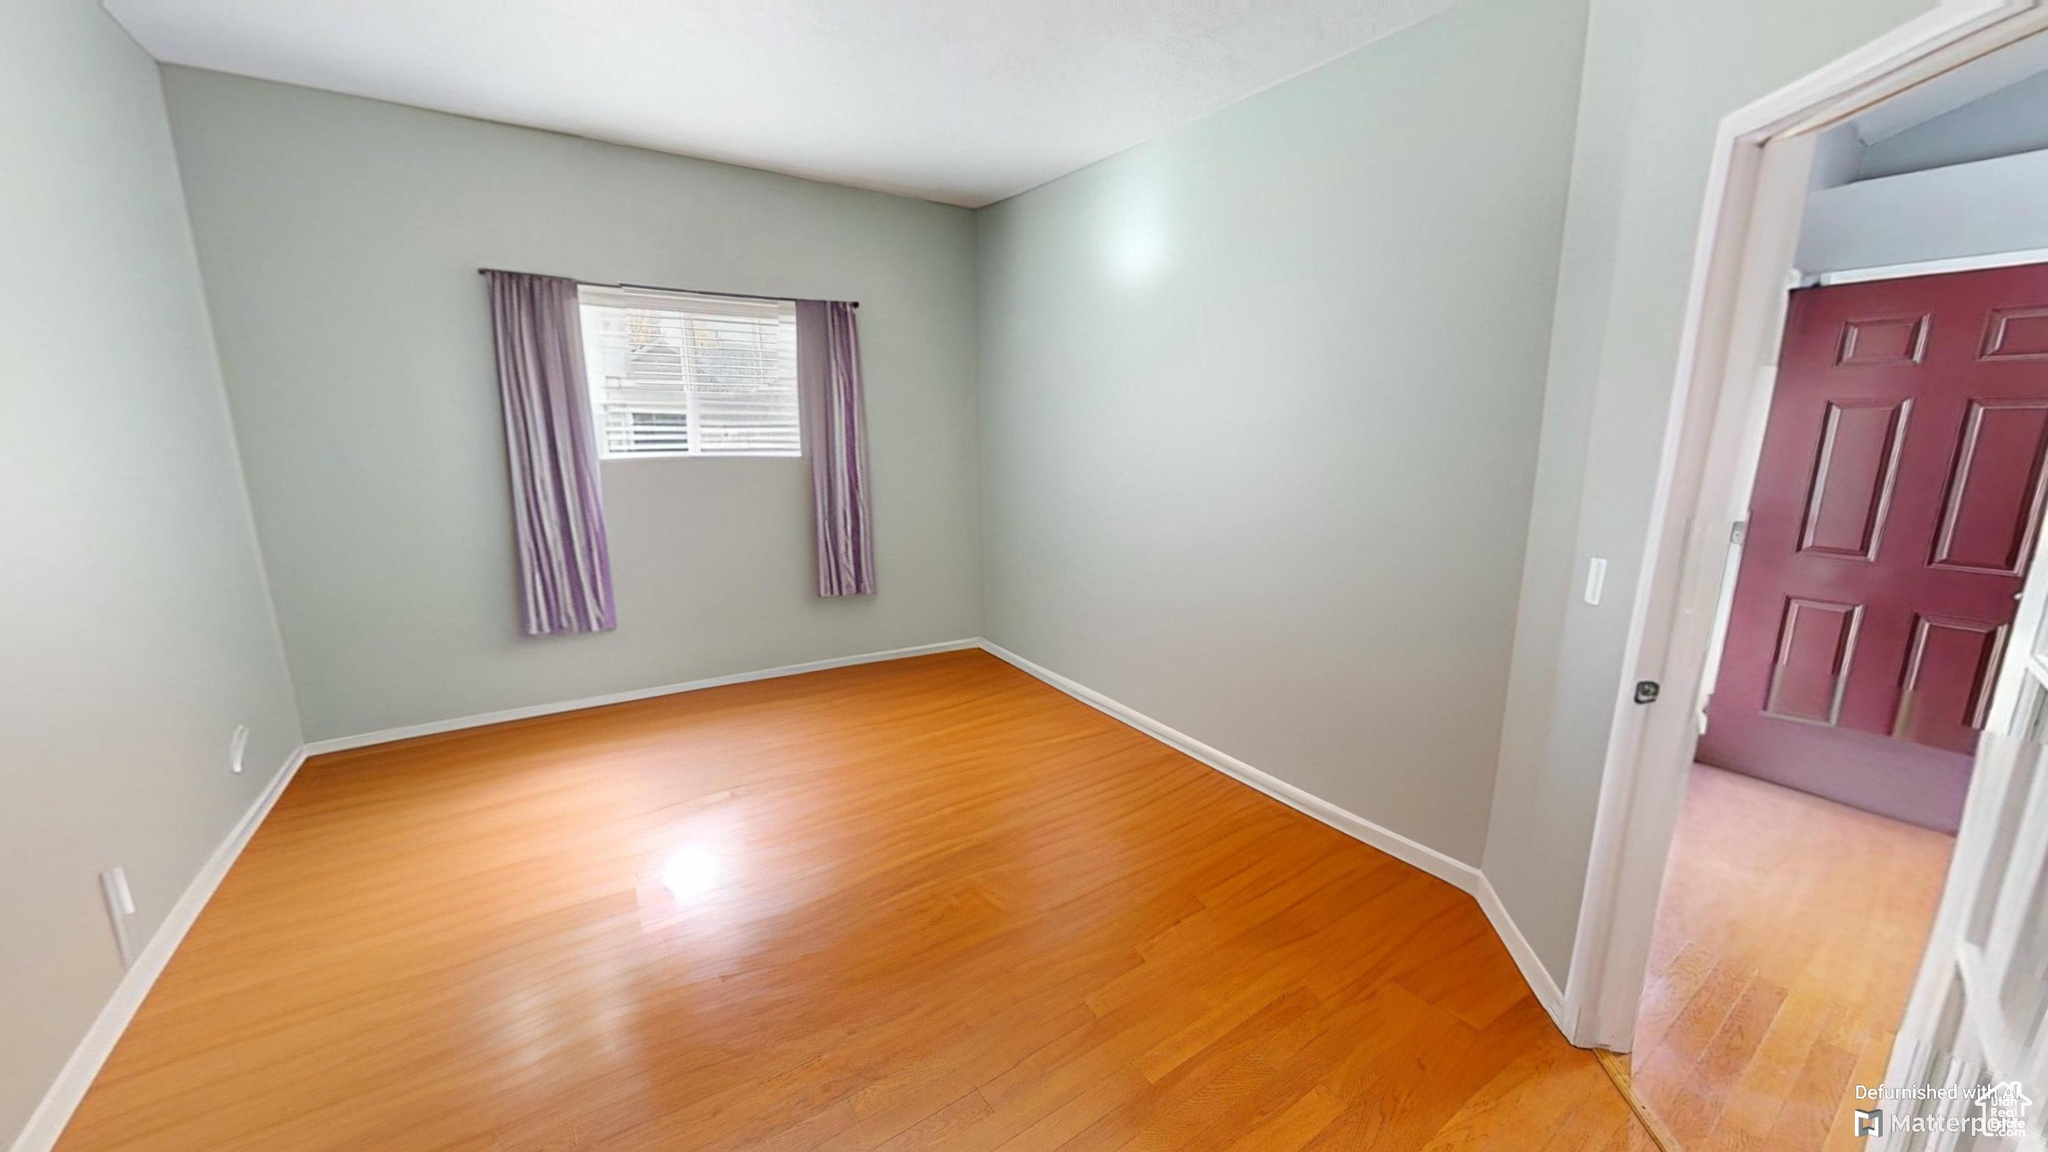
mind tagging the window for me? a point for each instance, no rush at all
(682, 375)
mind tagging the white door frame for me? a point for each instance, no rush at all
(1756, 191)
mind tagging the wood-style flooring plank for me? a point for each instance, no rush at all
(1787, 940)
(930, 904)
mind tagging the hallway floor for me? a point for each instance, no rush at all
(1787, 941)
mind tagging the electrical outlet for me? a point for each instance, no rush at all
(238, 745)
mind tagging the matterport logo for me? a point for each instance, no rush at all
(1992, 1110)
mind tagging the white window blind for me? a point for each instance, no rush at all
(673, 374)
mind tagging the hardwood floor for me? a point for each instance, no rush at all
(932, 904)
(1786, 945)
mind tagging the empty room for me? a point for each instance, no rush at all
(892, 574)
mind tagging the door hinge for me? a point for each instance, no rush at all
(1646, 691)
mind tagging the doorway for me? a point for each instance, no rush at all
(1855, 491)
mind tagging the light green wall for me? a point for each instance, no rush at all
(136, 632)
(1258, 415)
(340, 239)
(1260, 407)
(1659, 77)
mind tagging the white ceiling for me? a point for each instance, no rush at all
(961, 101)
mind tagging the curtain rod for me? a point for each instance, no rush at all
(678, 291)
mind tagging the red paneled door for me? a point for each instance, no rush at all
(1895, 511)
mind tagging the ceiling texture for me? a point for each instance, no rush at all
(960, 101)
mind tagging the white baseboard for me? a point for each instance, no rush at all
(47, 1122)
(49, 1118)
(1541, 984)
(1453, 871)
(1446, 868)
(386, 736)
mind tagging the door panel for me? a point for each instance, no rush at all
(2017, 334)
(1895, 510)
(1950, 666)
(1816, 645)
(1994, 498)
(1852, 485)
(1899, 340)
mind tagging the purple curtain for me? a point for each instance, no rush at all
(835, 435)
(565, 574)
